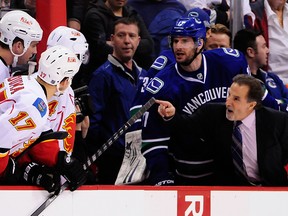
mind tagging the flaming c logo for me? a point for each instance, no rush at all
(69, 126)
(52, 107)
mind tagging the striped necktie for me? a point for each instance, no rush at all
(236, 149)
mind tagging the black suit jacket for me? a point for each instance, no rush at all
(211, 124)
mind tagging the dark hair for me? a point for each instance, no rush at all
(256, 90)
(6, 46)
(246, 38)
(127, 21)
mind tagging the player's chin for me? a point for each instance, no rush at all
(180, 59)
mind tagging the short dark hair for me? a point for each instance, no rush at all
(246, 38)
(6, 46)
(256, 90)
(127, 21)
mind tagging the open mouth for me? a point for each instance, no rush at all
(229, 110)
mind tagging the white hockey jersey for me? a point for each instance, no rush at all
(62, 116)
(4, 70)
(23, 112)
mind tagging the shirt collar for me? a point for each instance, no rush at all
(270, 12)
(249, 120)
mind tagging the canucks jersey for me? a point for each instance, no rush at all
(187, 91)
(276, 95)
(166, 58)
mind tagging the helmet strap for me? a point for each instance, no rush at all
(15, 61)
(195, 55)
(59, 92)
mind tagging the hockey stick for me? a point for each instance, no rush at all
(99, 152)
(44, 136)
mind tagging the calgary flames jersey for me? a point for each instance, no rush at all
(62, 117)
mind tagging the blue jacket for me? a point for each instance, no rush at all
(112, 89)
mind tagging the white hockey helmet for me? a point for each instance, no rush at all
(70, 38)
(20, 24)
(56, 63)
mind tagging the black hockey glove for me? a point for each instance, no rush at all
(12, 174)
(72, 170)
(42, 176)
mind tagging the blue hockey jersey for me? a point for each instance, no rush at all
(187, 91)
(276, 95)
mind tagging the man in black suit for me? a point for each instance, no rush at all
(264, 132)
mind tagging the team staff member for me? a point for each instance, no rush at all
(264, 134)
(112, 89)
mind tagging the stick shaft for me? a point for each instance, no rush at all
(93, 158)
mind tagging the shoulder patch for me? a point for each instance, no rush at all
(271, 83)
(160, 62)
(40, 106)
(155, 85)
(232, 52)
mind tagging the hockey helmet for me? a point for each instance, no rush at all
(70, 38)
(199, 13)
(190, 27)
(56, 63)
(20, 24)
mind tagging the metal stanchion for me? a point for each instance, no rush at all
(236, 17)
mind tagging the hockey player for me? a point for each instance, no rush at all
(23, 116)
(19, 35)
(166, 58)
(62, 116)
(62, 108)
(196, 78)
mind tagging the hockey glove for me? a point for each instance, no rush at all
(42, 176)
(12, 174)
(72, 170)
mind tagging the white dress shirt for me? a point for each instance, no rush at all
(278, 42)
(249, 147)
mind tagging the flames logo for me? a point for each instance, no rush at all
(14, 154)
(52, 107)
(69, 126)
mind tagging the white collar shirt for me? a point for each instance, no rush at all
(278, 42)
(249, 146)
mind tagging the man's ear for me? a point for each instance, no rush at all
(18, 47)
(250, 52)
(64, 80)
(252, 105)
